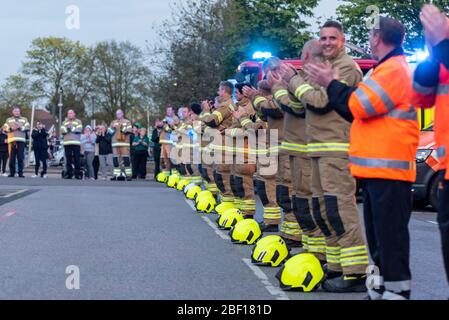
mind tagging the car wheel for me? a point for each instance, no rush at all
(433, 192)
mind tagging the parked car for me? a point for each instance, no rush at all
(426, 185)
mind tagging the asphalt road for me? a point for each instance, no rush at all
(141, 240)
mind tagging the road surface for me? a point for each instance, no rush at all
(141, 240)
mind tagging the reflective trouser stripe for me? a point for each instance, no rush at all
(381, 163)
(354, 256)
(398, 286)
(290, 228)
(316, 245)
(305, 242)
(117, 172)
(333, 254)
(226, 199)
(272, 213)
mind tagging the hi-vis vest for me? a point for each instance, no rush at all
(385, 132)
(17, 135)
(120, 134)
(72, 135)
(427, 97)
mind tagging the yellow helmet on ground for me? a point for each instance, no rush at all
(182, 184)
(162, 177)
(204, 195)
(270, 251)
(246, 232)
(188, 187)
(173, 180)
(205, 204)
(193, 192)
(302, 272)
(223, 207)
(229, 219)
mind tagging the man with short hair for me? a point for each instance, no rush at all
(121, 130)
(17, 128)
(71, 130)
(383, 144)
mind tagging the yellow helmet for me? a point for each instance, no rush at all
(173, 180)
(302, 272)
(182, 184)
(229, 219)
(193, 192)
(205, 204)
(204, 195)
(162, 177)
(223, 207)
(246, 232)
(270, 251)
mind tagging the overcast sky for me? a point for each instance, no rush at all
(23, 20)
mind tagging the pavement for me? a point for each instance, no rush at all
(141, 240)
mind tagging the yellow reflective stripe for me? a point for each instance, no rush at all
(302, 89)
(354, 261)
(296, 105)
(294, 147)
(259, 100)
(244, 122)
(280, 93)
(219, 116)
(331, 146)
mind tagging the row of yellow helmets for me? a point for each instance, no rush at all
(302, 272)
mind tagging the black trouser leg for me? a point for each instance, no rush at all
(443, 219)
(69, 161)
(44, 157)
(142, 165)
(4, 160)
(37, 160)
(20, 156)
(387, 211)
(157, 163)
(77, 160)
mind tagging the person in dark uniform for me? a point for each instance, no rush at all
(157, 146)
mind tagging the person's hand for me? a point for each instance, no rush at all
(239, 113)
(435, 23)
(321, 73)
(249, 92)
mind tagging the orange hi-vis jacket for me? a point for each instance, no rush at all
(426, 95)
(385, 131)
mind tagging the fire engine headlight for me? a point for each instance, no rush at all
(423, 155)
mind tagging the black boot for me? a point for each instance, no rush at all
(269, 228)
(345, 284)
(292, 243)
(114, 178)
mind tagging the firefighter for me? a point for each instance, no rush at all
(207, 168)
(333, 202)
(221, 119)
(266, 175)
(120, 131)
(431, 88)
(383, 143)
(294, 163)
(17, 128)
(244, 164)
(71, 130)
(165, 140)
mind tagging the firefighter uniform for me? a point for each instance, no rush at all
(207, 169)
(71, 131)
(166, 146)
(16, 128)
(431, 88)
(120, 131)
(245, 156)
(294, 163)
(221, 119)
(266, 181)
(333, 202)
(187, 147)
(384, 139)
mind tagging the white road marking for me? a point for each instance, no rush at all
(433, 222)
(274, 291)
(9, 195)
(220, 233)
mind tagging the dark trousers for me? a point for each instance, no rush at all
(16, 152)
(140, 162)
(3, 160)
(40, 155)
(133, 164)
(96, 165)
(72, 155)
(387, 210)
(157, 162)
(443, 219)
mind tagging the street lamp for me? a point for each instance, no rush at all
(60, 104)
(94, 124)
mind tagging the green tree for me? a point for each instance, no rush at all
(52, 63)
(355, 14)
(17, 91)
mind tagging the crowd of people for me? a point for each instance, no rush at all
(88, 153)
(333, 127)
